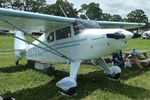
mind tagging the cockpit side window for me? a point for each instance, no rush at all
(50, 37)
(76, 28)
(63, 33)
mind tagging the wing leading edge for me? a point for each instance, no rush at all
(30, 22)
(124, 25)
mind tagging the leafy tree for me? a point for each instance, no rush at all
(106, 17)
(124, 19)
(28, 5)
(55, 9)
(34, 5)
(137, 15)
(92, 10)
(17, 5)
(116, 18)
(82, 16)
(3, 3)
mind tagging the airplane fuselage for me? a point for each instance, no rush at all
(88, 44)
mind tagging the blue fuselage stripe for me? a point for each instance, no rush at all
(67, 46)
(68, 43)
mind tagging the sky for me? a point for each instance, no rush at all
(121, 7)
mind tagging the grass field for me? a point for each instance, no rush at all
(24, 83)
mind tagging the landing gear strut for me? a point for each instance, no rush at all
(69, 84)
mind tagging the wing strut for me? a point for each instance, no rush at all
(26, 33)
(10, 50)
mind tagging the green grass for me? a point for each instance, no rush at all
(138, 44)
(24, 83)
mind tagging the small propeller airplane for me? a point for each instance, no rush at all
(66, 40)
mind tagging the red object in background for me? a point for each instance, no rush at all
(37, 33)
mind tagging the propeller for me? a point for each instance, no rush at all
(116, 35)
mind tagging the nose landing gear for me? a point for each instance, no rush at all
(112, 72)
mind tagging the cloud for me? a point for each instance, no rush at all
(50, 1)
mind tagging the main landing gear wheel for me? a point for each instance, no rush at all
(115, 73)
(68, 86)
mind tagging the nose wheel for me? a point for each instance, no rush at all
(115, 73)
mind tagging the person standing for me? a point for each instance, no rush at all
(118, 59)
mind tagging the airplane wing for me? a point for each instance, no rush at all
(36, 22)
(30, 22)
(124, 25)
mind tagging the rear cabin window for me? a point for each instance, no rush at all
(50, 37)
(63, 33)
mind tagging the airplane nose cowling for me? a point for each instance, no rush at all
(128, 35)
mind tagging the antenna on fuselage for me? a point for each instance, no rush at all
(62, 10)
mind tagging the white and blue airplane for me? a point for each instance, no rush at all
(66, 40)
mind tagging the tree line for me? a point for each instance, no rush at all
(92, 10)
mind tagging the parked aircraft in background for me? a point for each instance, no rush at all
(68, 40)
(146, 35)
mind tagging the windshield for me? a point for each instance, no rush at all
(84, 24)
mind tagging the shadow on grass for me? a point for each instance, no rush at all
(13, 69)
(97, 81)
(87, 84)
(132, 72)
